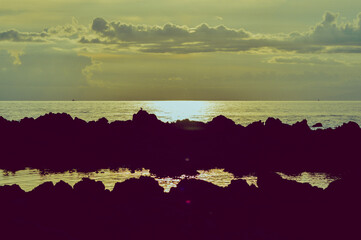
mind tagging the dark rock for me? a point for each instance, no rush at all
(102, 121)
(43, 189)
(58, 143)
(62, 187)
(138, 209)
(196, 189)
(273, 184)
(273, 123)
(142, 187)
(256, 125)
(11, 191)
(27, 121)
(301, 126)
(317, 125)
(186, 124)
(239, 187)
(144, 118)
(89, 187)
(350, 126)
(222, 122)
(347, 188)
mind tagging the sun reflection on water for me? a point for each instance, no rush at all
(179, 110)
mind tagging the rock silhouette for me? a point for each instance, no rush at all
(317, 125)
(137, 209)
(139, 188)
(57, 142)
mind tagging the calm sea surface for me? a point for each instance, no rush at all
(329, 113)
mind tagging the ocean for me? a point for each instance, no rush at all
(330, 113)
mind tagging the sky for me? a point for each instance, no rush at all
(180, 50)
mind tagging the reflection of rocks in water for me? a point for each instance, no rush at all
(250, 179)
(168, 183)
(29, 178)
(218, 177)
(321, 180)
(195, 209)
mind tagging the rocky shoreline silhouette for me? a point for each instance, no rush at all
(57, 142)
(139, 209)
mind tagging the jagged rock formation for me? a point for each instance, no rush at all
(139, 209)
(57, 142)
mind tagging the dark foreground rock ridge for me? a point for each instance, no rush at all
(139, 209)
(57, 142)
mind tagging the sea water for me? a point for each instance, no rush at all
(28, 179)
(329, 113)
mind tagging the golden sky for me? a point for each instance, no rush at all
(180, 50)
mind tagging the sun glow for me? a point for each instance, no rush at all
(172, 111)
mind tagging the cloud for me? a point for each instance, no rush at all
(9, 12)
(175, 78)
(344, 49)
(15, 36)
(330, 32)
(61, 32)
(167, 38)
(328, 36)
(303, 60)
(88, 71)
(325, 37)
(100, 25)
(43, 74)
(15, 54)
